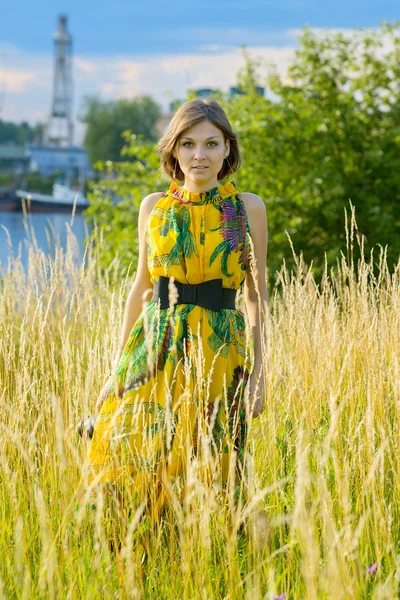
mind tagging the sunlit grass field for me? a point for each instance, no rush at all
(321, 519)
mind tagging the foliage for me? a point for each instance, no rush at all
(19, 133)
(6, 179)
(34, 182)
(330, 134)
(115, 199)
(106, 121)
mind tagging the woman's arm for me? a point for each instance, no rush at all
(142, 286)
(256, 296)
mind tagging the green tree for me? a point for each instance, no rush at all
(19, 133)
(331, 134)
(106, 121)
(116, 197)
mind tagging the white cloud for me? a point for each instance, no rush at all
(28, 86)
(129, 78)
(26, 79)
(212, 48)
(14, 80)
(161, 75)
(83, 65)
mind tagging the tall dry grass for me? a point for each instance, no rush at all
(323, 496)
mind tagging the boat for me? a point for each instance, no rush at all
(62, 200)
(8, 199)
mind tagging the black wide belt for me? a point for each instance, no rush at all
(209, 294)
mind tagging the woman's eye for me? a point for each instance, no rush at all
(214, 143)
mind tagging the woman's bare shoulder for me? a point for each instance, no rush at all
(150, 201)
(253, 203)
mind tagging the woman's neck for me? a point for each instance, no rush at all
(200, 186)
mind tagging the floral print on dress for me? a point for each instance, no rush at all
(150, 416)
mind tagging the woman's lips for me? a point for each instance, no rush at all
(200, 168)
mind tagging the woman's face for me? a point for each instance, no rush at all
(201, 151)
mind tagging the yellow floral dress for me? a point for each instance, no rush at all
(184, 368)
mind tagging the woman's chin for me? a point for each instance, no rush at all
(201, 172)
(202, 176)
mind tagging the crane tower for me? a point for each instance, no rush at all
(59, 128)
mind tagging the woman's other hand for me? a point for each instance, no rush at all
(103, 394)
(256, 403)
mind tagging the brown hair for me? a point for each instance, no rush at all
(191, 113)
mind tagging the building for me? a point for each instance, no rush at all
(13, 158)
(204, 92)
(47, 160)
(234, 91)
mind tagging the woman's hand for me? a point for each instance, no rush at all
(103, 394)
(256, 404)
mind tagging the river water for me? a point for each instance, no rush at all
(49, 229)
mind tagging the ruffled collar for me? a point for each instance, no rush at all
(215, 194)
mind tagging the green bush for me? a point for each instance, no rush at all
(331, 135)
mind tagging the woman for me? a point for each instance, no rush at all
(183, 363)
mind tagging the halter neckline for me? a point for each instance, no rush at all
(215, 194)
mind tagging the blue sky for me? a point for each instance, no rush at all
(126, 26)
(127, 48)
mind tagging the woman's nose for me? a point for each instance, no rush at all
(199, 152)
